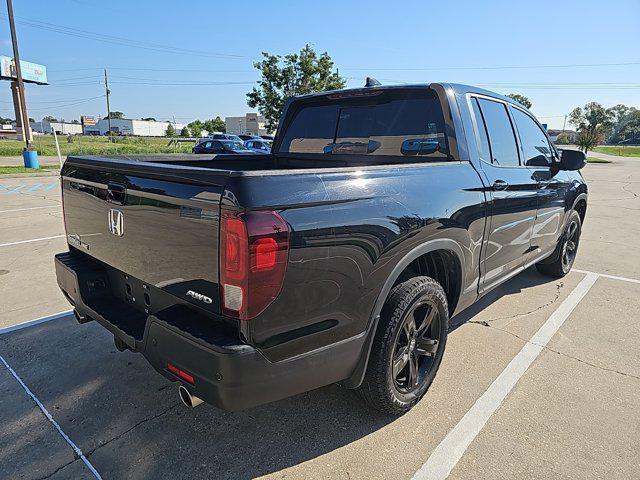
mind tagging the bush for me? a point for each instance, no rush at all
(563, 139)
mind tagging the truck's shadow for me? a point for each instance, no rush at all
(128, 421)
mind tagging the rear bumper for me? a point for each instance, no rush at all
(228, 373)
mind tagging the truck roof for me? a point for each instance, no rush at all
(458, 89)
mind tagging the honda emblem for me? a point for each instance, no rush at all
(116, 222)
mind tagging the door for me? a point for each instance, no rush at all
(538, 156)
(513, 193)
(215, 147)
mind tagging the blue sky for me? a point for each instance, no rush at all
(409, 41)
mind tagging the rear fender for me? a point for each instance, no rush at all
(357, 376)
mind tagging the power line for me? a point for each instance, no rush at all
(52, 107)
(181, 70)
(115, 40)
(67, 100)
(183, 83)
(505, 67)
(75, 78)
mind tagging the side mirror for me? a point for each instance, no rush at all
(572, 160)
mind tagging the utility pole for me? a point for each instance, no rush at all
(106, 87)
(18, 87)
(564, 124)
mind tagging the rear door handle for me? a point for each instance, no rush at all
(500, 185)
(116, 193)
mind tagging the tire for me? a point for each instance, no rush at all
(404, 338)
(561, 261)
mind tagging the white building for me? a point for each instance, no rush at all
(127, 126)
(250, 124)
(61, 128)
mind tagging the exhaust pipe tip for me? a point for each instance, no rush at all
(188, 400)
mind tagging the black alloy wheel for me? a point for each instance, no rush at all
(416, 346)
(570, 246)
(408, 346)
(559, 263)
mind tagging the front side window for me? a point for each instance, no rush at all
(388, 123)
(504, 150)
(535, 146)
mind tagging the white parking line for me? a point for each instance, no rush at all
(451, 449)
(28, 208)
(37, 321)
(606, 275)
(29, 241)
(75, 448)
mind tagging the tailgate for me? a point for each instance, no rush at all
(155, 222)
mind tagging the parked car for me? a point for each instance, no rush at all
(339, 257)
(221, 147)
(267, 137)
(258, 146)
(225, 136)
(249, 137)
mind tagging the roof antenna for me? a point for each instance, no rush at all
(372, 82)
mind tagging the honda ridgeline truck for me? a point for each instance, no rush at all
(341, 256)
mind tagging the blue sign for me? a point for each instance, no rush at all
(31, 72)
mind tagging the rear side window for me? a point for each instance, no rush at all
(504, 150)
(398, 124)
(311, 129)
(535, 146)
(483, 146)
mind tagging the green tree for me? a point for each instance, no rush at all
(219, 125)
(563, 139)
(116, 114)
(293, 74)
(521, 99)
(49, 118)
(587, 139)
(625, 123)
(171, 131)
(196, 128)
(215, 125)
(593, 122)
(148, 119)
(185, 132)
(631, 128)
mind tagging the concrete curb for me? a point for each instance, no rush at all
(54, 173)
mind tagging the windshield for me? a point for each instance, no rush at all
(231, 145)
(390, 123)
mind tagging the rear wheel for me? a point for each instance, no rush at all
(561, 261)
(408, 346)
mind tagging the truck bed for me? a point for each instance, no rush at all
(182, 164)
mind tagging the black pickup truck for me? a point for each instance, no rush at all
(339, 257)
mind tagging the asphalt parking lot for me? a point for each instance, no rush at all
(541, 379)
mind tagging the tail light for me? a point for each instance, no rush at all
(254, 247)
